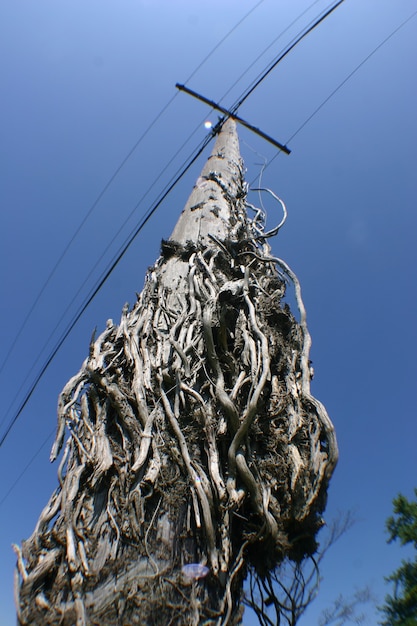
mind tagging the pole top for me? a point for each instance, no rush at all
(210, 207)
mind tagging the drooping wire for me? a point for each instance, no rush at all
(246, 94)
(224, 39)
(349, 76)
(103, 279)
(273, 231)
(88, 276)
(265, 166)
(340, 85)
(261, 172)
(273, 42)
(90, 211)
(301, 36)
(78, 230)
(284, 53)
(143, 197)
(86, 279)
(117, 171)
(26, 467)
(108, 185)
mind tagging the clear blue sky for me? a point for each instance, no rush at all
(80, 82)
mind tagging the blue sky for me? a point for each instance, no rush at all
(81, 81)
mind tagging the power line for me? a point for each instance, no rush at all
(108, 185)
(78, 230)
(90, 211)
(153, 209)
(349, 76)
(265, 50)
(286, 51)
(117, 171)
(26, 467)
(93, 294)
(86, 279)
(132, 212)
(224, 39)
(124, 248)
(341, 84)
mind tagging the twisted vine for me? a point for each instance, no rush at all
(192, 437)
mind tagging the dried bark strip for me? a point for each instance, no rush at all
(192, 434)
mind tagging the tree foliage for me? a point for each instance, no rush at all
(400, 608)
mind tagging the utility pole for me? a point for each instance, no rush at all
(194, 449)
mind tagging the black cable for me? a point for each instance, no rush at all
(92, 295)
(340, 85)
(86, 279)
(172, 159)
(349, 76)
(25, 469)
(77, 231)
(266, 165)
(107, 186)
(142, 198)
(224, 39)
(265, 50)
(282, 55)
(315, 23)
(303, 34)
(136, 206)
(90, 211)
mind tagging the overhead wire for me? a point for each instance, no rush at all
(265, 50)
(295, 41)
(139, 202)
(352, 73)
(26, 467)
(78, 230)
(108, 185)
(313, 24)
(169, 188)
(91, 210)
(101, 282)
(90, 273)
(339, 86)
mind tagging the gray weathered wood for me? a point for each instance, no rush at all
(192, 435)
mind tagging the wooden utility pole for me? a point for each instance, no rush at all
(194, 447)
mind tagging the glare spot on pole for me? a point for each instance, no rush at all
(195, 570)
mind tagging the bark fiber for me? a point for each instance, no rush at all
(189, 435)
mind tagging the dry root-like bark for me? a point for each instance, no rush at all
(192, 438)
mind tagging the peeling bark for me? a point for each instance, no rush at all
(192, 435)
